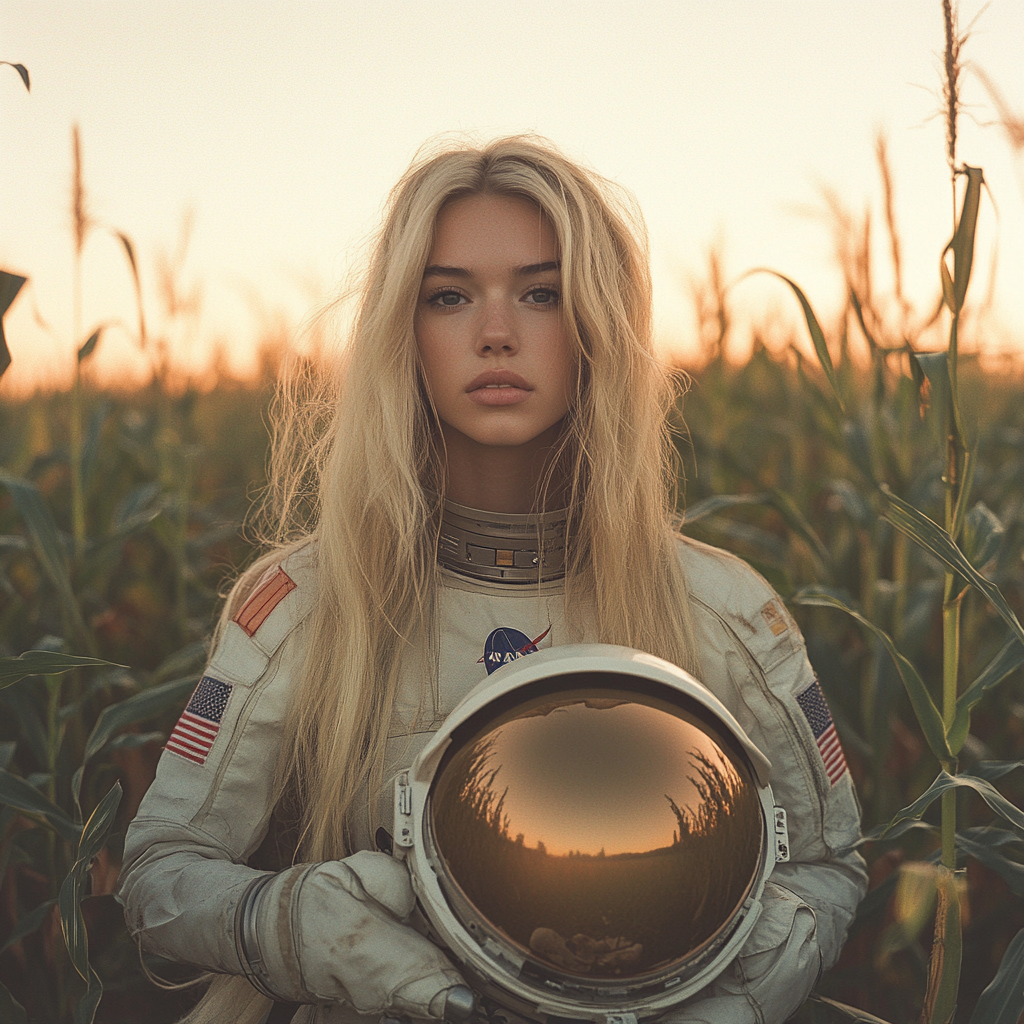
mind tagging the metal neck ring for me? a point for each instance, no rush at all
(503, 547)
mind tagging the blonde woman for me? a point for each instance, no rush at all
(499, 381)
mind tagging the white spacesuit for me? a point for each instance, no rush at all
(334, 934)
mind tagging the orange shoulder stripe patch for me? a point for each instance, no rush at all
(263, 600)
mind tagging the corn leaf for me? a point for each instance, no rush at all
(861, 449)
(982, 536)
(815, 331)
(94, 835)
(43, 534)
(134, 740)
(89, 347)
(954, 289)
(865, 330)
(43, 663)
(137, 708)
(967, 469)
(129, 252)
(776, 499)
(73, 889)
(890, 831)
(71, 920)
(1008, 660)
(23, 74)
(822, 410)
(10, 285)
(20, 794)
(984, 845)
(23, 704)
(924, 707)
(944, 782)
(91, 444)
(933, 538)
(85, 1011)
(46, 543)
(796, 521)
(720, 502)
(992, 770)
(936, 400)
(1003, 1001)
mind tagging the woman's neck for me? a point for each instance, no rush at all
(498, 479)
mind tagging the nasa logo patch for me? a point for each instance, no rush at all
(506, 644)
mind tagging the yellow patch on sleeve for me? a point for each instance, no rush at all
(773, 615)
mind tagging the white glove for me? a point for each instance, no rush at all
(335, 932)
(772, 975)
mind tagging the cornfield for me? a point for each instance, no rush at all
(879, 486)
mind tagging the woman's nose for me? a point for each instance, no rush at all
(497, 330)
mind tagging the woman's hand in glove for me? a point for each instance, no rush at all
(336, 932)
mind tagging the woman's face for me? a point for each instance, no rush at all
(489, 327)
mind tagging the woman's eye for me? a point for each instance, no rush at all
(447, 299)
(543, 296)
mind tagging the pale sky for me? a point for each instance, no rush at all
(282, 125)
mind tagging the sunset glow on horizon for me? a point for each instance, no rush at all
(247, 148)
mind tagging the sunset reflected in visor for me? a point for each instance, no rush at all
(604, 833)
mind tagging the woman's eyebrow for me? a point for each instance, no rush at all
(538, 268)
(436, 270)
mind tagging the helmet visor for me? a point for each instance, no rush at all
(603, 832)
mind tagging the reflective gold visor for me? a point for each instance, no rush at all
(605, 832)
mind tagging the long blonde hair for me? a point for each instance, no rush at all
(373, 481)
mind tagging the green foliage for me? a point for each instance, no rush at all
(166, 481)
(869, 459)
(1000, 1002)
(42, 663)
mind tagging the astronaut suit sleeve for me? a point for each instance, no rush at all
(333, 932)
(753, 658)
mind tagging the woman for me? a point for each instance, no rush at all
(500, 361)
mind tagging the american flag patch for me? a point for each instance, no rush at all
(812, 704)
(199, 724)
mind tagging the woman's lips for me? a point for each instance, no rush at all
(498, 387)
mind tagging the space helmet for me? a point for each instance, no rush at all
(588, 835)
